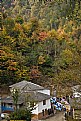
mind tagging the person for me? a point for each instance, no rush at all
(66, 116)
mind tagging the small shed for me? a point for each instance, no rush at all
(76, 107)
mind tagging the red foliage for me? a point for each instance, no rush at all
(42, 36)
(34, 72)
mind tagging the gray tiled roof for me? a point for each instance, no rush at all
(9, 100)
(27, 86)
(75, 103)
(36, 96)
(30, 96)
(76, 88)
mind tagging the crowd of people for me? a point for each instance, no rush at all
(60, 103)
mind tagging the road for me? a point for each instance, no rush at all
(57, 117)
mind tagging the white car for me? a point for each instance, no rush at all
(4, 115)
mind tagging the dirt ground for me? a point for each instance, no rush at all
(56, 117)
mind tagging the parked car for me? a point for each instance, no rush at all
(4, 115)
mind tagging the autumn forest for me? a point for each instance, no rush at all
(40, 41)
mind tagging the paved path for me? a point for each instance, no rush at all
(57, 117)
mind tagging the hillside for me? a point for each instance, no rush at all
(40, 42)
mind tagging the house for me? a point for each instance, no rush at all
(42, 104)
(76, 88)
(8, 104)
(39, 102)
(25, 86)
(30, 95)
(76, 107)
(75, 103)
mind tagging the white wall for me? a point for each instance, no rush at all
(40, 107)
(45, 91)
(43, 107)
(35, 111)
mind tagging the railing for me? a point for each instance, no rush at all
(4, 108)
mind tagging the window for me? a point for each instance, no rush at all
(43, 112)
(44, 102)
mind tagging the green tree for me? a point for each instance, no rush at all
(21, 114)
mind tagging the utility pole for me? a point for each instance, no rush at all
(1, 16)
